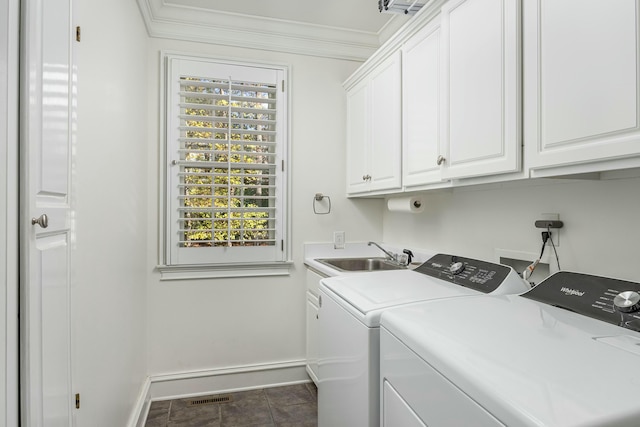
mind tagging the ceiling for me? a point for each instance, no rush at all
(340, 29)
(359, 15)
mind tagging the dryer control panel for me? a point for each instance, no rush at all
(610, 300)
(471, 273)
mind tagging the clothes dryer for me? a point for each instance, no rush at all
(562, 354)
(349, 313)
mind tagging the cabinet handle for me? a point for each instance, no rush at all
(440, 160)
(364, 177)
(42, 221)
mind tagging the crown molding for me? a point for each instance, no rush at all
(165, 20)
(425, 15)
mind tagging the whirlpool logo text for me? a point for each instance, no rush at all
(569, 291)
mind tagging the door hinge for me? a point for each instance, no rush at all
(78, 33)
(283, 85)
(282, 245)
(283, 166)
(77, 400)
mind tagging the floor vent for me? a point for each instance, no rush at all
(209, 400)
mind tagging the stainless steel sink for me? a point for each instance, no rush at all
(360, 264)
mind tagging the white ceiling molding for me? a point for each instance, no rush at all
(200, 25)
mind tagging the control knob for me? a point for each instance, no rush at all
(456, 268)
(627, 301)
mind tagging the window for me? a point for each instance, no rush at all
(225, 155)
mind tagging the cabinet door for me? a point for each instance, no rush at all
(312, 337)
(357, 137)
(421, 106)
(313, 283)
(581, 81)
(386, 121)
(481, 87)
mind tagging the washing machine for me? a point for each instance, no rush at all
(349, 314)
(562, 354)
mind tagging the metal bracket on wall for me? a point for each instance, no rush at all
(548, 223)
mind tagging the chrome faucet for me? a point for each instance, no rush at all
(391, 256)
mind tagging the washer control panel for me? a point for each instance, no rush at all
(610, 300)
(471, 273)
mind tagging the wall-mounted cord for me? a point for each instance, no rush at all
(554, 248)
(529, 271)
(546, 236)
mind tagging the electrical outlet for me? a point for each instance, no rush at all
(555, 232)
(338, 239)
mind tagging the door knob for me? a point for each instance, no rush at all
(440, 160)
(42, 221)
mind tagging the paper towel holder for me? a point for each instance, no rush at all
(319, 197)
(408, 204)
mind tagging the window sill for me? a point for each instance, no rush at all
(188, 272)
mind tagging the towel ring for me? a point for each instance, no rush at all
(319, 197)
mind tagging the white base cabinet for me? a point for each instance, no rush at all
(313, 283)
(581, 68)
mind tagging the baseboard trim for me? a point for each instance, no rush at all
(212, 381)
(138, 416)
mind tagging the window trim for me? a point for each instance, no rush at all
(217, 270)
(209, 271)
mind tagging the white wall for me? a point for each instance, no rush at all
(9, 14)
(208, 324)
(600, 235)
(109, 174)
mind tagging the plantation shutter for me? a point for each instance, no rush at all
(226, 163)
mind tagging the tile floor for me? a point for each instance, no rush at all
(287, 406)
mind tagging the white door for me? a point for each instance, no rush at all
(46, 136)
(481, 87)
(9, 43)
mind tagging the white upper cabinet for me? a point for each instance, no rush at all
(386, 121)
(357, 137)
(374, 119)
(480, 88)
(421, 107)
(581, 82)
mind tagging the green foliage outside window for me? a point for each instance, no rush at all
(226, 205)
